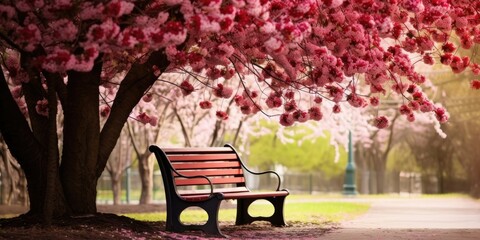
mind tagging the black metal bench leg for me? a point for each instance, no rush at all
(211, 206)
(173, 223)
(277, 219)
(243, 217)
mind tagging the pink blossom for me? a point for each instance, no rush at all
(105, 111)
(246, 109)
(221, 115)
(153, 121)
(274, 100)
(374, 101)
(448, 47)
(228, 73)
(29, 36)
(106, 30)
(205, 104)
(17, 92)
(59, 60)
(411, 117)
(405, 110)
(475, 68)
(336, 93)
(186, 88)
(356, 101)
(42, 107)
(441, 115)
(147, 97)
(459, 64)
(426, 106)
(290, 106)
(300, 116)
(336, 108)
(89, 11)
(143, 118)
(381, 122)
(333, 3)
(118, 8)
(428, 59)
(414, 105)
(239, 100)
(290, 94)
(475, 84)
(61, 4)
(286, 119)
(315, 113)
(222, 91)
(64, 30)
(400, 87)
(7, 12)
(273, 45)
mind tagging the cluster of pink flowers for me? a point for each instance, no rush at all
(145, 118)
(345, 51)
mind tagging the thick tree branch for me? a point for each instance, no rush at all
(136, 82)
(14, 127)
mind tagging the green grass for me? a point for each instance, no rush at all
(307, 212)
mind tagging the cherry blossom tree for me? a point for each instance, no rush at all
(55, 55)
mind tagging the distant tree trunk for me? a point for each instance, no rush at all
(145, 169)
(120, 159)
(380, 175)
(116, 188)
(475, 179)
(440, 175)
(7, 178)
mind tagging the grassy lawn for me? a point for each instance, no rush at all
(307, 212)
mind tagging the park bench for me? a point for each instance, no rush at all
(203, 177)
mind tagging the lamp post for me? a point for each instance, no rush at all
(349, 187)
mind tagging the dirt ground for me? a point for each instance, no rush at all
(108, 225)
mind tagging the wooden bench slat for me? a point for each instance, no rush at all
(203, 181)
(239, 195)
(202, 157)
(211, 172)
(196, 150)
(205, 165)
(215, 190)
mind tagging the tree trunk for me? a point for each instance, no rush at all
(116, 188)
(7, 178)
(81, 141)
(145, 169)
(380, 174)
(23, 146)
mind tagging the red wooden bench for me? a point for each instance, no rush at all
(187, 171)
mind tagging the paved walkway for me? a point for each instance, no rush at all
(414, 218)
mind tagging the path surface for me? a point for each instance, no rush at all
(414, 218)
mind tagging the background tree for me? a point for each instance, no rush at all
(13, 183)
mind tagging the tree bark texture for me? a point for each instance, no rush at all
(70, 184)
(23, 146)
(81, 141)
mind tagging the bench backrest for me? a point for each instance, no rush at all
(221, 165)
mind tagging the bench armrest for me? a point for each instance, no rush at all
(211, 194)
(279, 182)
